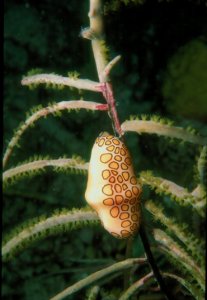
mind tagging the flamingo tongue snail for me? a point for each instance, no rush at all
(112, 189)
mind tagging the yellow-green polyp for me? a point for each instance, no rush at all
(112, 189)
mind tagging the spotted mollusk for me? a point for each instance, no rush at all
(112, 189)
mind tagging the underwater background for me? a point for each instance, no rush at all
(163, 70)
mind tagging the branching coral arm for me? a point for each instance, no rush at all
(120, 266)
(201, 189)
(164, 288)
(135, 286)
(37, 165)
(175, 191)
(179, 255)
(97, 38)
(202, 166)
(52, 79)
(109, 67)
(165, 185)
(96, 35)
(192, 288)
(181, 231)
(93, 292)
(37, 229)
(152, 127)
(52, 109)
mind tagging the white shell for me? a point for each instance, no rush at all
(112, 188)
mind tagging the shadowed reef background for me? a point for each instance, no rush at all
(163, 71)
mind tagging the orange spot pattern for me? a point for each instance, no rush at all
(108, 202)
(114, 211)
(121, 185)
(105, 174)
(106, 157)
(107, 190)
(119, 199)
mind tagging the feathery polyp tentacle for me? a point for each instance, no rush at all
(43, 112)
(152, 127)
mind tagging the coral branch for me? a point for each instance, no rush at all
(200, 193)
(201, 189)
(109, 67)
(98, 43)
(53, 79)
(120, 266)
(179, 255)
(37, 229)
(96, 35)
(191, 287)
(108, 94)
(202, 165)
(164, 288)
(40, 164)
(138, 284)
(152, 127)
(195, 246)
(64, 105)
(93, 293)
(176, 192)
(134, 287)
